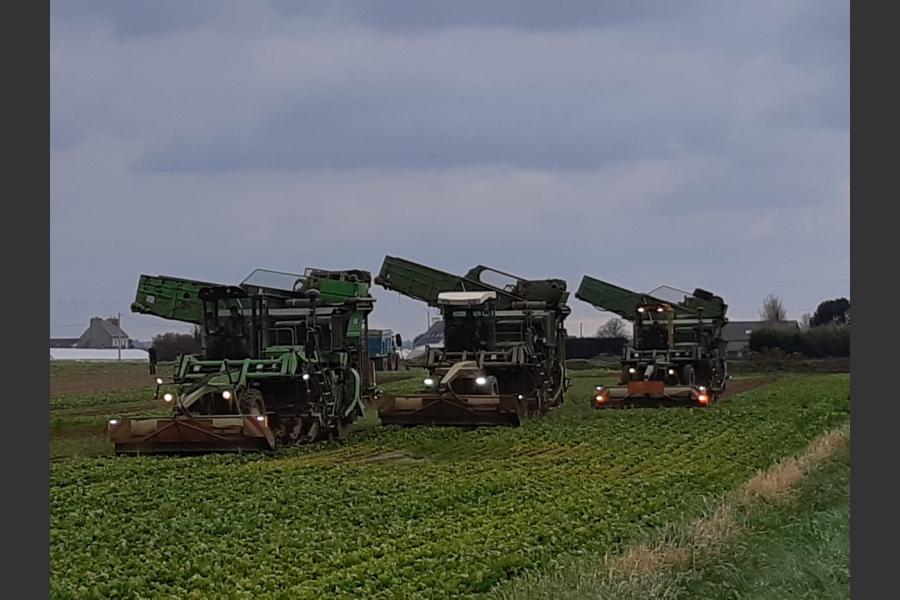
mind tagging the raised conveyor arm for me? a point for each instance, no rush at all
(625, 303)
(421, 282)
(612, 298)
(170, 298)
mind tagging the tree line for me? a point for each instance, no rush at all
(824, 333)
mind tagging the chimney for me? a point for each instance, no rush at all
(114, 321)
(96, 321)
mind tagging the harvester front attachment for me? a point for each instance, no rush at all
(651, 393)
(449, 409)
(186, 434)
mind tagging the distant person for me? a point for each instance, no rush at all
(151, 354)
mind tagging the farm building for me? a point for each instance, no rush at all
(737, 334)
(104, 333)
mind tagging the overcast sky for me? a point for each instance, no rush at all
(693, 144)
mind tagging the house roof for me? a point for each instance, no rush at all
(63, 342)
(739, 331)
(432, 337)
(113, 330)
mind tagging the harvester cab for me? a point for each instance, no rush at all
(503, 355)
(676, 355)
(283, 361)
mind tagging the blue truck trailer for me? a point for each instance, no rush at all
(384, 349)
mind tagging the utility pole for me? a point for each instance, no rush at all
(581, 329)
(119, 339)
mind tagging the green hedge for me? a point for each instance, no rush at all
(831, 340)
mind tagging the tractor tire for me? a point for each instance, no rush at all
(252, 402)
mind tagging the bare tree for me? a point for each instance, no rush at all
(804, 321)
(772, 309)
(615, 327)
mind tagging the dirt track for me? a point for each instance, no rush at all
(738, 386)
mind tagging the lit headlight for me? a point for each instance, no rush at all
(168, 397)
(260, 418)
(632, 370)
(702, 388)
(428, 381)
(659, 309)
(159, 381)
(227, 394)
(481, 380)
(671, 371)
(641, 309)
(305, 377)
(520, 397)
(113, 422)
(599, 388)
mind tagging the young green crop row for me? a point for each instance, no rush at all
(410, 513)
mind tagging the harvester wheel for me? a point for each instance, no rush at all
(689, 374)
(313, 432)
(252, 402)
(288, 430)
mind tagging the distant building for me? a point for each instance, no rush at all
(737, 334)
(104, 333)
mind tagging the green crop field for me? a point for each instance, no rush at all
(411, 513)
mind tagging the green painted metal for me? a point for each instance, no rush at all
(625, 303)
(425, 283)
(293, 346)
(503, 356)
(170, 298)
(676, 339)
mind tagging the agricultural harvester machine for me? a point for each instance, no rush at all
(284, 361)
(677, 355)
(503, 355)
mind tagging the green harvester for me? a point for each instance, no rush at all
(503, 355)
(677, 354)
(284, 361)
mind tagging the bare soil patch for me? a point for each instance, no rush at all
(739, 386)
(76, 378)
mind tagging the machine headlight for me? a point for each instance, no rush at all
(702, 388)
(520, 397)
(632, 370)
(671, 371)
(640, 309)
(168, 397)
(159, 381)
(659, 309)
(260, 418)
(428, 381)
(305, 377)
(481, 380)
(227, 394)
(113, 422)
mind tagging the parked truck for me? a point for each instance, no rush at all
(503, 355)
(384, 349)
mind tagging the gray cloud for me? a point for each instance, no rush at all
(705, 146)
